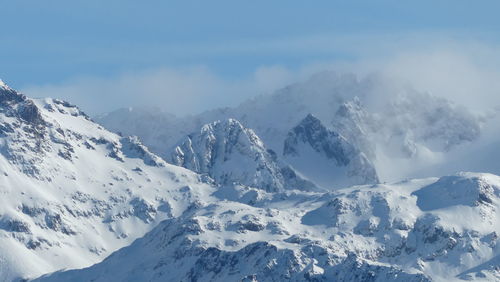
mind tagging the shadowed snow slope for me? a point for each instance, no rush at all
(365, 233)
(457, 190)
(326, 157)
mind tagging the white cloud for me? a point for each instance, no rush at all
(463, 71)
(460, 76)
(180, 91)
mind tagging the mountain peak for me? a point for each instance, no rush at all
(230, 153)
(311, 147)
(311, 119)
(225, 125)
(311, 130)
(9, 95)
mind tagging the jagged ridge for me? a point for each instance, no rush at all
(232, 154)
(313, 149)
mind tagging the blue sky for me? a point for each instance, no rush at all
(56, 42)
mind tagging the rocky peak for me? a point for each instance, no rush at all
(230, 153)
(9, 95)
(325, 156)
(215, 140)
(312, 132)
(15, 104)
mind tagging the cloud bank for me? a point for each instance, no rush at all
(175, 90)
(465, 72)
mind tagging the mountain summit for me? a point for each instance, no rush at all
(230, 153)
(325, 156)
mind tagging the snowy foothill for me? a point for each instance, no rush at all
(371, 232)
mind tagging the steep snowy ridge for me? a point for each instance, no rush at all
(73, 192)
(326, 157)
(365, 233)
(230, 153)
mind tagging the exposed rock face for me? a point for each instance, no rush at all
(310, 131)
(230, 153)
(310, 145)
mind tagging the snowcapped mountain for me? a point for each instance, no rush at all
(270, 116)
(326, 157)
(232, 209)
(402, 131)
(73, 192)
(421, 230)
(230, 153)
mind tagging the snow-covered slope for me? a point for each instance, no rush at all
(230, 153)
(73, 192)
(326, 157)
(443, 229)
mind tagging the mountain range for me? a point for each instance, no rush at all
(403, 132)
(310, 183)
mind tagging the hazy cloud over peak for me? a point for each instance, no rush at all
(467, 73)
